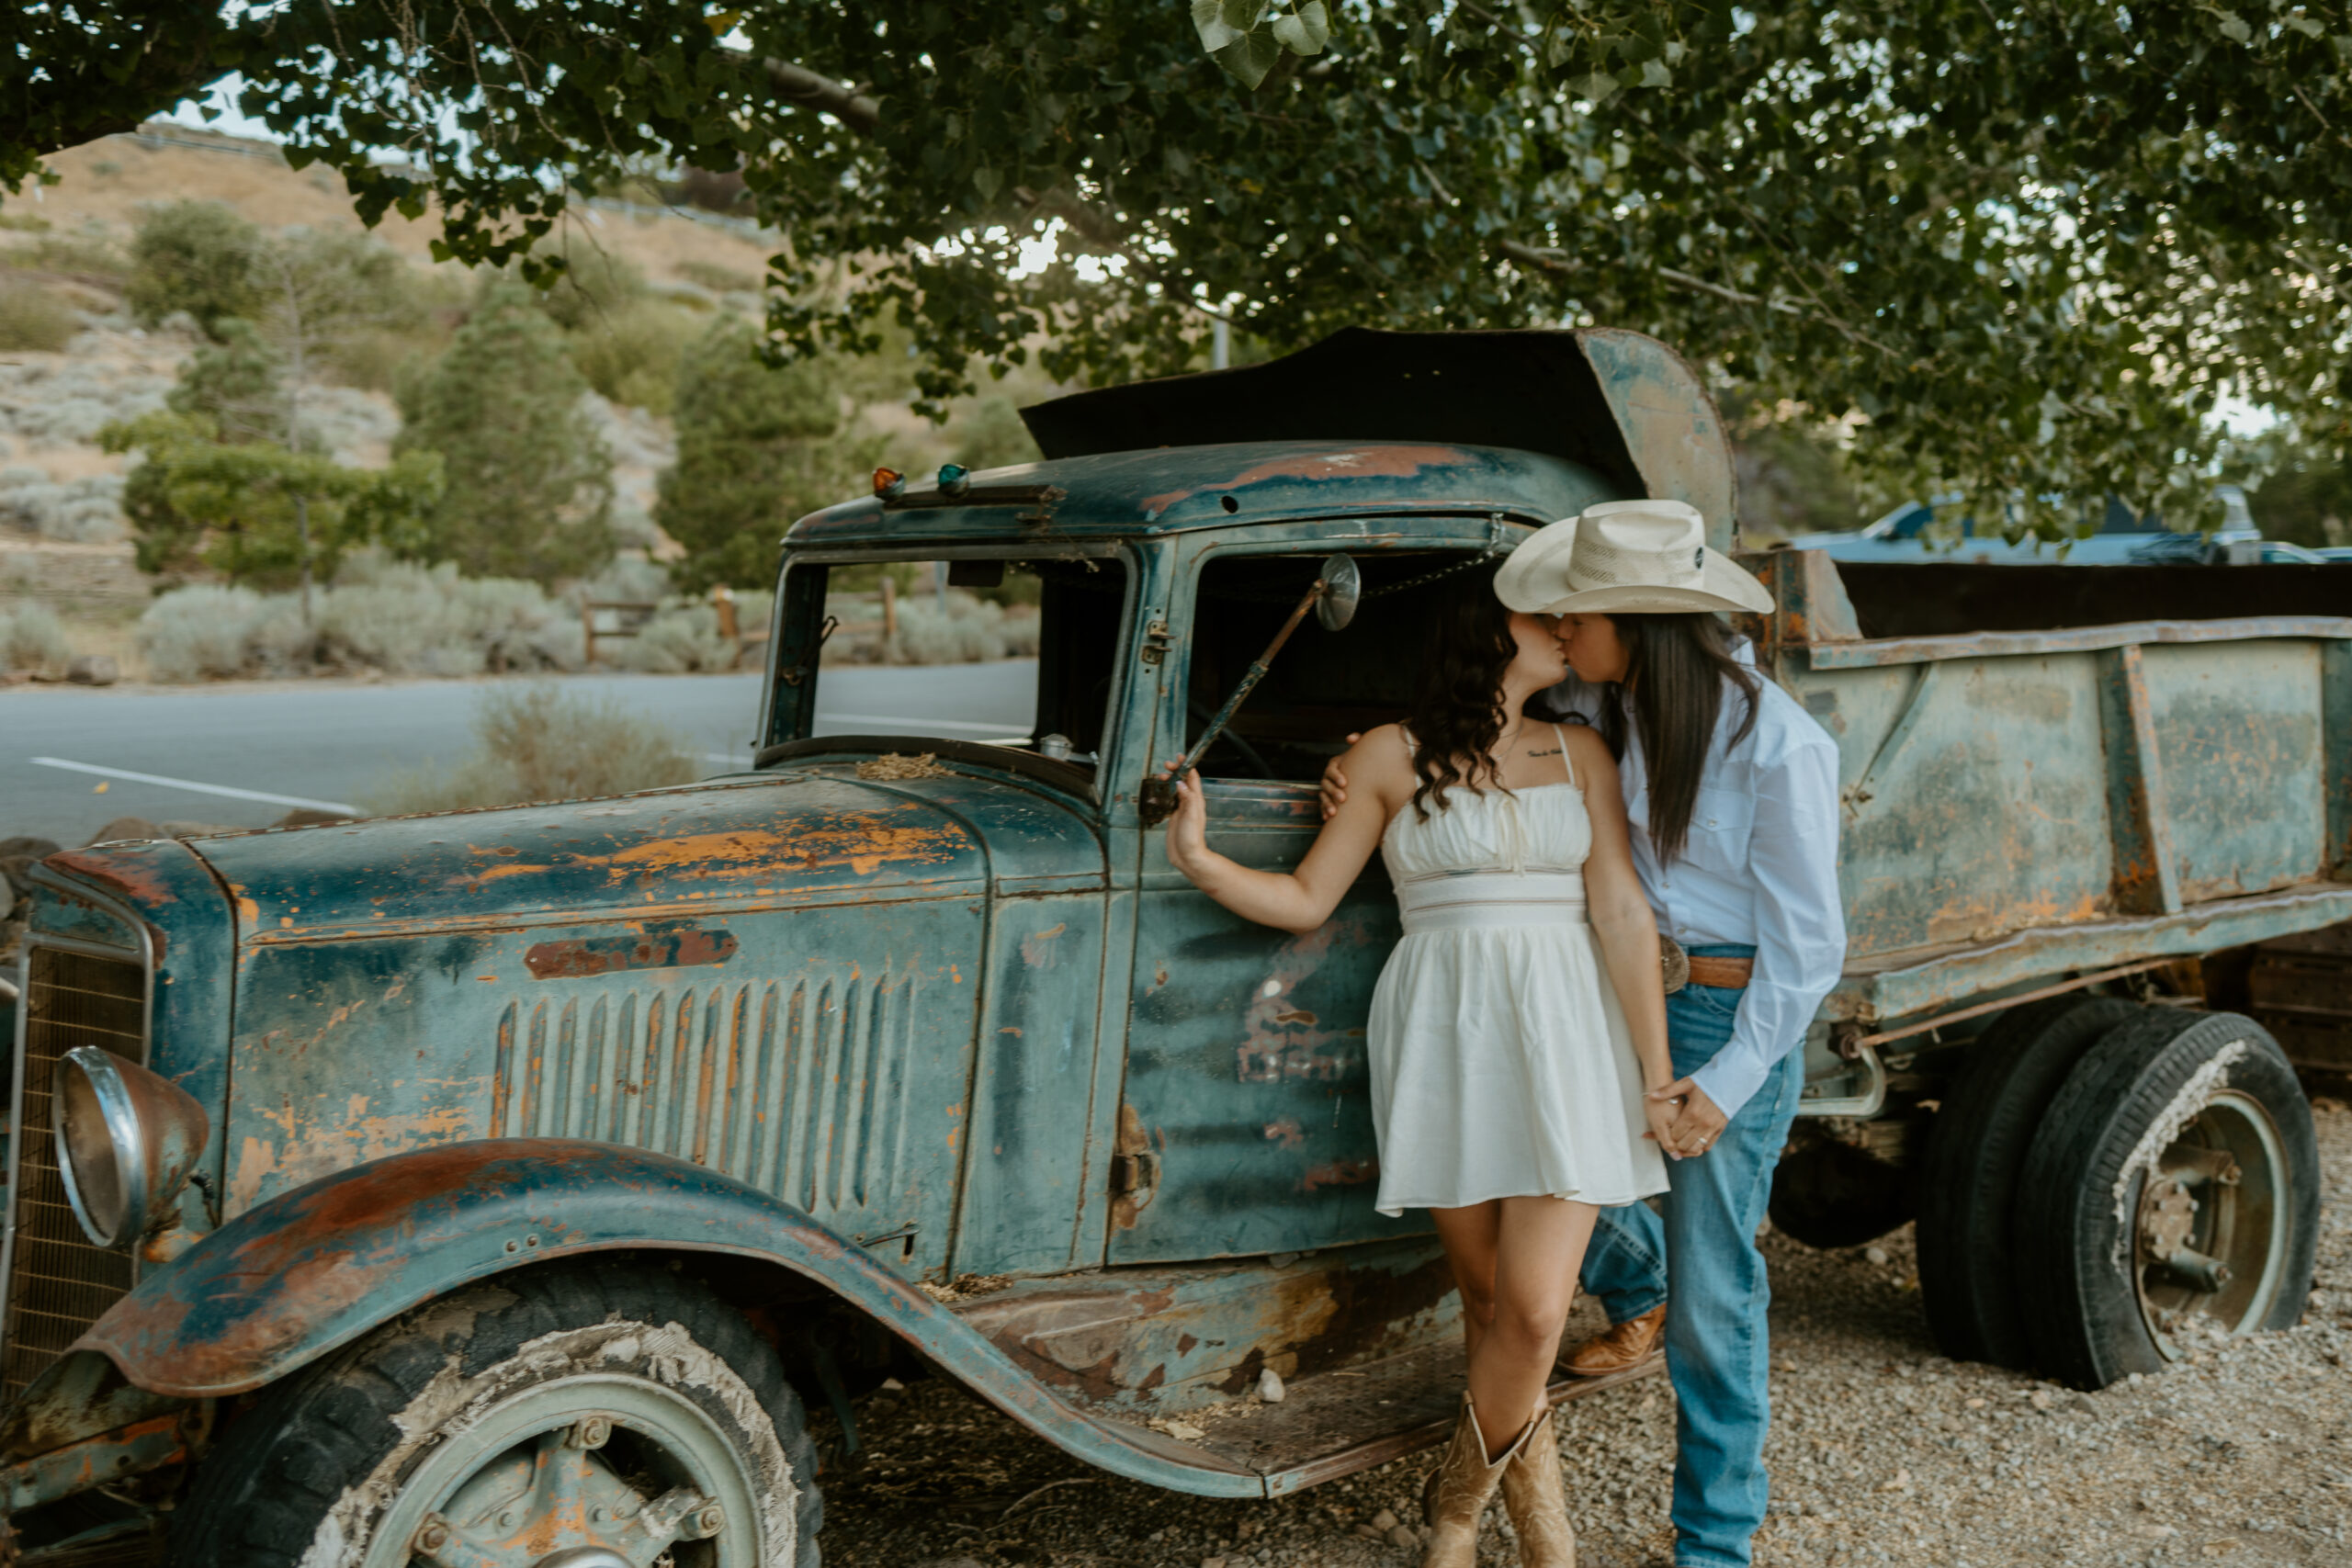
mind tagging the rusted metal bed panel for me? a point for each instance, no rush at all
(1865, 654)
(1896, 984)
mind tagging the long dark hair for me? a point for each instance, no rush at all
(1675, 671)
(1457, 712)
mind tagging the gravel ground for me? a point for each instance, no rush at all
(1882, 1452)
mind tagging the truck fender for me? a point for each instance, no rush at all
(290, 1279)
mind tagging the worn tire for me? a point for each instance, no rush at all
(310, 1476)
(1967, 1180)
(2153, 1085)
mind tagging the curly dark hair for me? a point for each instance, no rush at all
(1457, 712)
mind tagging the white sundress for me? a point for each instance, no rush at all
(1501, 1066)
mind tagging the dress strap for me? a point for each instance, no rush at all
(1406, 735)
(1565, 762)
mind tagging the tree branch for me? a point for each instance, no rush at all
(799, 85)
(1557, 261)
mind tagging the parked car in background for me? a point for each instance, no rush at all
(2124, 537)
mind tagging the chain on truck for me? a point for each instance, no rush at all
(504, 1187)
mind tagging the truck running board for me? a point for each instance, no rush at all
(1334, 1424)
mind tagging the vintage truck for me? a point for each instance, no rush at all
(493, 1188)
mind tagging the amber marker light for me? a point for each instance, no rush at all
(889, 484)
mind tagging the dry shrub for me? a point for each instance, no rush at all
(389, 617)
(682, 638)
(964, 630)
(83, 511)
(538, 743)
(30, 638)
(198, 633)
(31, 319)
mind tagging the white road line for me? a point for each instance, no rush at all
(193, 786)
(729, 757)
(1000, 727)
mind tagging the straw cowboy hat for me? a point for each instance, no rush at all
(1626, 558)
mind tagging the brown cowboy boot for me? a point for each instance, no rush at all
(1627, 1344)
(1458, 1492)
(1537, 1500)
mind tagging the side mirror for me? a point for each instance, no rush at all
(1343, 587)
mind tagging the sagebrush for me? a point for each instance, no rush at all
(540, 743)
(31, 638)
(397, 618)
(33, 320)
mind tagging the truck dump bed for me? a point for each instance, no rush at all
(2056, 770)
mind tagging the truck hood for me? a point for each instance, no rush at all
(813, 836)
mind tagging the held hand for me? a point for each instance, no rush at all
(1662, 1115)
(1701, 1122)
(1334, 789)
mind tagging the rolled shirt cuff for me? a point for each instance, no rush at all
(1732, 1083)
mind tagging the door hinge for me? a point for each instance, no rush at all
(1134, 1168)
(1157, 640)
(1133, 1173)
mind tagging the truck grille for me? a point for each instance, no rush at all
(58, 1283)
(798, 1089)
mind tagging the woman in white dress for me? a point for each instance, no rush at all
(1515, 1031)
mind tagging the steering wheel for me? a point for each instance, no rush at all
(1204, 713)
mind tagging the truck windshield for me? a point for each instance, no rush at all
(999, 651)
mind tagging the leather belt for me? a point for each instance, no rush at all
(1725, 974)
(1684, 969)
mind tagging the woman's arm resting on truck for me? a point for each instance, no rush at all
(1300, 900)
(1625, 930)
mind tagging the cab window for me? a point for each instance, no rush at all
(1324, 685)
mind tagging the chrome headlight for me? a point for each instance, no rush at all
(126, 1140)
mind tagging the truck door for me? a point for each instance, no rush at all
(1246, 1122)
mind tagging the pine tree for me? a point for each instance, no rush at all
(757, 447)
(529, 483)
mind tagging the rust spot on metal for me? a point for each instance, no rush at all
(1282, 1043)
(1339, 1173)
(124, 871)
(584, 956)
(1360, 462)
(1038, 950)
(1286, 1132)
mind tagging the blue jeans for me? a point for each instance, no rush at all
(1703, 1251)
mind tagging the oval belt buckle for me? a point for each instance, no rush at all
(1673, 963)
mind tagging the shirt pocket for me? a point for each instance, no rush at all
(1721, 822)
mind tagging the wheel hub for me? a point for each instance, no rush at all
(2207, 1235)
(553, 1502)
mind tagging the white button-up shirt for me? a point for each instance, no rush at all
(1758, 868)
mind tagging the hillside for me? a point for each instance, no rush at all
(62, 540)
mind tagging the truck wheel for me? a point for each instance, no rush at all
(1968, 1175)
(604, 1415)
(2172, 1191)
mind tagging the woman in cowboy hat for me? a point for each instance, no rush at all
(1731, 792)
(1514, 1028)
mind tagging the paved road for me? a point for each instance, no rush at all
(329, 742)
